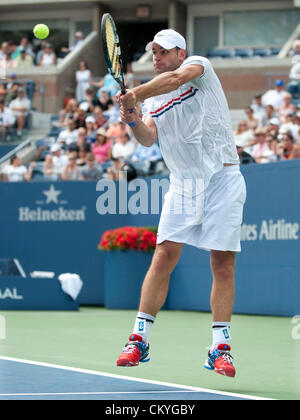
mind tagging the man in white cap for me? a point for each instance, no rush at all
(184, 107)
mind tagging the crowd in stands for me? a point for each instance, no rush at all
(14, 108)
(22, 55)
(88, 141)
(270, 130)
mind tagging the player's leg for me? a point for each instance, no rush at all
(222, 299)
(153, 295)
(222, 293)
(156, 283)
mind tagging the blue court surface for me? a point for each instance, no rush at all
(29, 380)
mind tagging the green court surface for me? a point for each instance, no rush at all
(265, 353)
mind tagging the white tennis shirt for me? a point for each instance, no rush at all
(194, 127)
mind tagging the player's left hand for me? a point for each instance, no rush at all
(128, 100)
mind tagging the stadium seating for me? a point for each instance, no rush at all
(220, 53)
(242, 52)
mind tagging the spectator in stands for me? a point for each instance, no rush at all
(104, 100)
(9, 63)
(40, 52)
(80, 117)
(91, 171)
(290, 126)
(69, 94)
(272, 154)
(287, 108)
(89, 102)
(55, 162)
(82, 153)
(102, 147)
(16, 172)
(11, 88)
(146, 157)
(71, 171)
(68, 112)
(293, 87)
(287, 149)
(79, 38)
(25, 45)
(80, 142)
(244, 136)
(273, 127)
(261, 148)
(252, 123)
(48, 57)
(83, 80)
(91, 131)
(113, 171)
(115, 130)
(7, 119)
(20, 107)
(295, 48)
(100, 120)
(24, 61)
(269, 114)
(13, 49)
(124, 148)
(113, 112)
(68, 135)
(258, 108)
(245, 158)
(3, 50)
(275, 96)
(109, 84)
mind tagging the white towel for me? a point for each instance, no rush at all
(71, 284)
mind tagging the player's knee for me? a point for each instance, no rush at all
(223, 266)
(165, 258)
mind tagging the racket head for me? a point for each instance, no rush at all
(112, 50)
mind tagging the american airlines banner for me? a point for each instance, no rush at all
(57, 227)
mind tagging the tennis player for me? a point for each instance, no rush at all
(185, 109)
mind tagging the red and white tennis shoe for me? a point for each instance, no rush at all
(134, 352)
(220, 361)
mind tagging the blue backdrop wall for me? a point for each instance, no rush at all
(56, 227)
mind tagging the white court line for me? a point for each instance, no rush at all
(38, 394)
(128, 378)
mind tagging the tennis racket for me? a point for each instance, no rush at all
(112, 52)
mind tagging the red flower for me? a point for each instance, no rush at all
(129, 237)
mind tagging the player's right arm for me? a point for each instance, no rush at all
(144, 131)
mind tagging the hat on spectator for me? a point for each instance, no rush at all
(102, 132)
(21, 89)
(274, 121)
(168, 39)
(84, 106)
(55, 148)
(90, 119)
(279, 82)
(260, 130)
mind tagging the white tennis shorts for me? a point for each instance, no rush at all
(210, 219)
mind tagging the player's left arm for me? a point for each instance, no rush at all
(161, 84)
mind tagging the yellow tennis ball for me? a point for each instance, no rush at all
(41, 31)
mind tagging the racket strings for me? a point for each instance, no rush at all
(113, 48)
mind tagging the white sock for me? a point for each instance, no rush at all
(143, 324)
(221, 333)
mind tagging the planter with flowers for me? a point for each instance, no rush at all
(129, 252)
